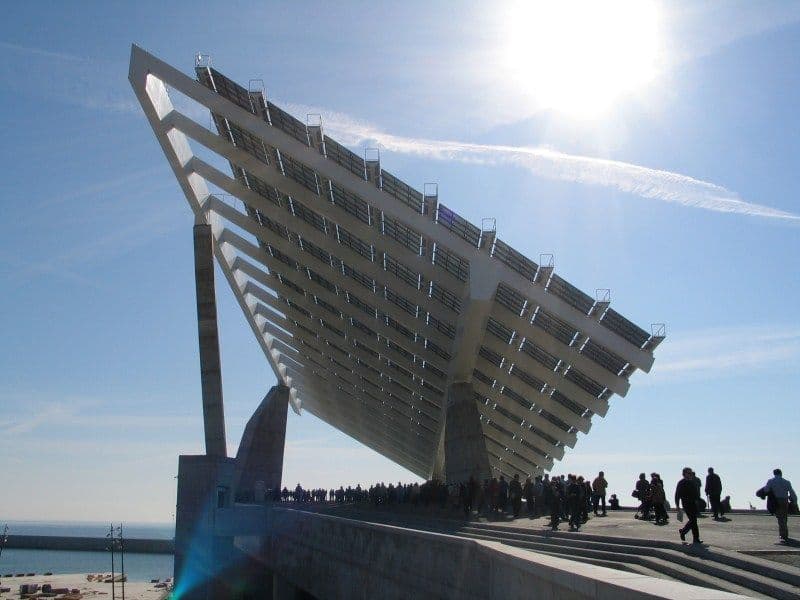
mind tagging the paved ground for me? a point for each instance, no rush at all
(743, 532)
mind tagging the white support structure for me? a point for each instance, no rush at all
(373, 302)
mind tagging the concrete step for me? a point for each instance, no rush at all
(651, 563)
(768, 570)
(629, 567)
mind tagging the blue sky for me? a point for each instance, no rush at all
(100, 387)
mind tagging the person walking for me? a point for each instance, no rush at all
(599, 486)
(714, 491)
(687, 494)
(783, 493)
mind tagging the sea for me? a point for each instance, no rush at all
(138, 567)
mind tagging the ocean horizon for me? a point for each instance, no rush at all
(130, 530)
(138, 567)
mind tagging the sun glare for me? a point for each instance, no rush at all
(579, 57)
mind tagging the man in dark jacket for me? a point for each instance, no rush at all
(714, 491)
(687, 494)
(576, 498)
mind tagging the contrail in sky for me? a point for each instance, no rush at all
(642, 181)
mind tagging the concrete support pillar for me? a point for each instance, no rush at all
(210, 370)
(203, 488)
(259, 460)
(283, 589)
(465, 452)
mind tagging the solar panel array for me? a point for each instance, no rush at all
(363, 306)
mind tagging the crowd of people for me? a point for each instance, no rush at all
(564, 498)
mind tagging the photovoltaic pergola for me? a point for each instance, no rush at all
(371, 299)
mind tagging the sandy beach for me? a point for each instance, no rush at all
(134, 590)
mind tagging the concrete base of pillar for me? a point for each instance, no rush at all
(203, 486)
(465, 453)
(259, 460)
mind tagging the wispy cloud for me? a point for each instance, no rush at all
(47, 414)
(83, 413)
(645, 182)
(721, 352)
(85, 82)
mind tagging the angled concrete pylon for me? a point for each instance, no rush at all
(259, 460)
(465, 451)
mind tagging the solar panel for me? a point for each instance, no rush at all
(450, 262)
(526, 377)
(401, 271)
(401, 233)
(308, 215)
(514, 260)
(496, 328)
(401, 191)
(539, 355)
(518, 398)
(445, 297)
(398, 300)
(355, 243)
(584, 382)
(570, 294)
(604, 357)
(558, 328)
(457, 224)
(288, 124)
(361, 305)
(225, 87)
(300, 173)
(510, 298)
(441, 326)
(491, 356)
(345, 158)
(567, 403)
(555, 420)
(613, 321)
(350, 203)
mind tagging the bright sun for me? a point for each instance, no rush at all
(578, 57)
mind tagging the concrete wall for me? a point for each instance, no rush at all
(332, 557)
(53, 542)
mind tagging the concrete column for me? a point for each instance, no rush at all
(259, 460)
(283, 589)
(210, 371)
(465, 452)
(203, 488)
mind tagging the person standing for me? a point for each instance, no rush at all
(538, 505)
(713, 491)
(515, 494)
(687, 494)
(527, 491)
(599, 486)
(783, 493)
(502, 494)
(642, 492)
(575, 495)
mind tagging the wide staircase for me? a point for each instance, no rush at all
(704, 566)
